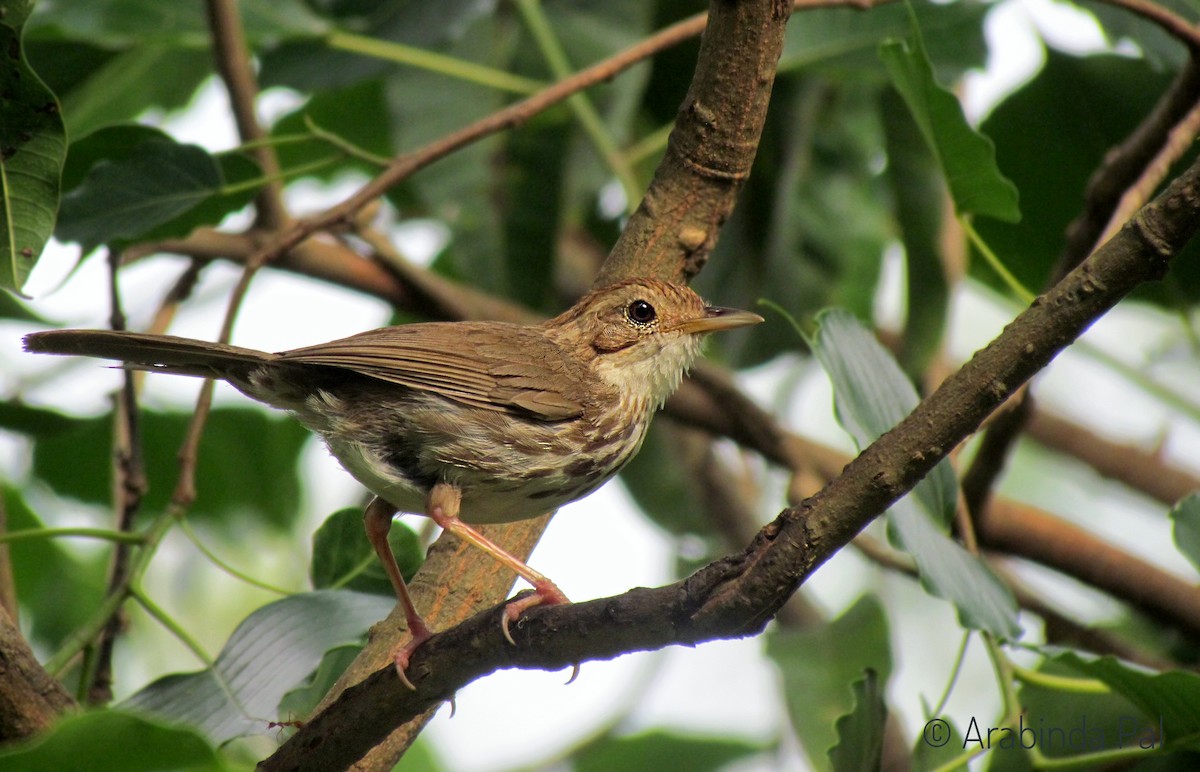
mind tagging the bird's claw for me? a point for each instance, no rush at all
(544, 594)
(402, 654)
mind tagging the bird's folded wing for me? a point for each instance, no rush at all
(497, 367)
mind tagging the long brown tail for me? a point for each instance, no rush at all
(161, 353)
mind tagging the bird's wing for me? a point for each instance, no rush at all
(493, 366)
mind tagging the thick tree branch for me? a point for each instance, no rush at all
(711, 148)
(1065, 547)
(725, 117)
(736, 596)
(30, 699)
(1145, 471)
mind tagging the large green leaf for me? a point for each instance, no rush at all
(247, 462)
(966, 157)
(1050, 136)
(122, 199)
(871, 396)
(11, 308)
(271, 651)
(818, 668)
(301, 701)
(463, 190)
(241, 180)
(311, 65)
(534, 198)
(112, 741)
(1167, 700)
(342, 556)
(32, 148)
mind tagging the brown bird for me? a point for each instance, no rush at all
(466, 422)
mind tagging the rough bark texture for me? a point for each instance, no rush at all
(30, 699)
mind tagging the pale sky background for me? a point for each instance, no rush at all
(599, 546)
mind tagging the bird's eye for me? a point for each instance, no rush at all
(640, 313)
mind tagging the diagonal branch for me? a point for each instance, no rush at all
(736, 596)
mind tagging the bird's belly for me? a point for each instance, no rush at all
(504, 485)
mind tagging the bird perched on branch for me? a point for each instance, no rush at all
(465, 422)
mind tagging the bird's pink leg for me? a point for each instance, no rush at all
(443, 507)
(377, 519)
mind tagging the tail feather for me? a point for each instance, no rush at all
(162, 353)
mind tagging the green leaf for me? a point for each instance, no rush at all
(1155, 42)
(871, 396)
(662, 749)
(240, 177)
(269, 653)
(111, 143)
(247, 462)
(122, 199)
(1185, 522)
(300, 702)
(241, 180)
(1081, 107)
(1088, 719)
(343, 557)
(1168, 699)
(818, 668)
(112, 741)
(35, 421)
(121, 24)
(939, 744)
(32, 148)
(967, 158)
(356, 113)
(860, 732)
(420, 757)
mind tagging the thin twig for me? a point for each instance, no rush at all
(513, 115)
(129, 486)
(233, 63)
(1180, 140)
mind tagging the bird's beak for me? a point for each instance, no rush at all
(716, 318)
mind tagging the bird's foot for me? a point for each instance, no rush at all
(544, 593)
(402, 654)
